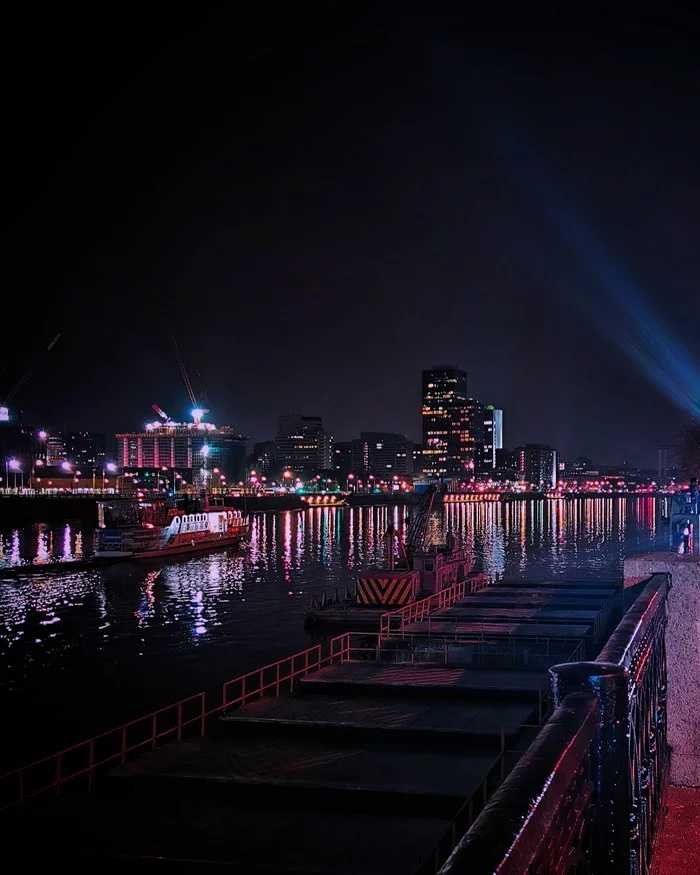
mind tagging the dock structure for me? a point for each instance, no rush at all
(373, 755)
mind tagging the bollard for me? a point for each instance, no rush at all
(609, 758)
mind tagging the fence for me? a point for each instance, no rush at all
(587, 796)
(79, 764)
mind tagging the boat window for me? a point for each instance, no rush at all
(429, 565)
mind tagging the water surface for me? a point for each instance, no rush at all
(82, 651)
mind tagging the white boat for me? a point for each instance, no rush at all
(150, 528)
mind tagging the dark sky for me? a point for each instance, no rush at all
(320, 205)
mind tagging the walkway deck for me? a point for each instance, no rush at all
(362, 771)
(678, 848)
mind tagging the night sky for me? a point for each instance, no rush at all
(319, 206)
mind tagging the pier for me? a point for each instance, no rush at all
(371, 754)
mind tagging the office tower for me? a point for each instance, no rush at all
(302, 445)
(382, 454)
(445, 422)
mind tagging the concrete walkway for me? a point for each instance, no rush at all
(678, 849)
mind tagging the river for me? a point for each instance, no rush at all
(83, 651)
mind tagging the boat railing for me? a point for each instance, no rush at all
(77, 766)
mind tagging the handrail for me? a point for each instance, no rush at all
(507, 836)
(417, 611)
(621, 646)
(590, 788)
(82, 759)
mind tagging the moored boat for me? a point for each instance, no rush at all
(150, 528)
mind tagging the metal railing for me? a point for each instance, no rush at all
(587, 796)
(477, 649)
(82, 760)
(187, 718)
(414, 612)
(540, 818)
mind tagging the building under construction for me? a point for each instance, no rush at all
(216, 456)
(213, 454)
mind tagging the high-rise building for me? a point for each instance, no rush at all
(262, 459)
(85, 448)
(302, 445)
(537, 463)
(493, 438)
(472, 439)
(55, 449)
(342, 459)
(178, 446)
(382, 454)
(507, 462)
(445, 422)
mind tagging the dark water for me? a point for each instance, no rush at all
(84, 651)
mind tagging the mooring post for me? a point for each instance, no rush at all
(610, 769)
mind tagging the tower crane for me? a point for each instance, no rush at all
(4, 412)
(198, 410)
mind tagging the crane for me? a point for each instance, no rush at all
(4, 413)
(198, 410)
(163, 415)
(417, 531)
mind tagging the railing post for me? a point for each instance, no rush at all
(124, 744)
(154, 729)
(609, 758)
(179, 721)
(58, 774)
(203, 697)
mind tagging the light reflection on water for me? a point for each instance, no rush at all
(117, 642)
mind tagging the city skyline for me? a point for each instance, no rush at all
(316, 238)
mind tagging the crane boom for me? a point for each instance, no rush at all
(183, 370)
(418, 528)
(23, 379)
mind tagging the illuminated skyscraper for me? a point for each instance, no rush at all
(493, 437)
(445, 422)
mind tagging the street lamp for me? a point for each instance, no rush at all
(43, 438)
(37, 463)
(14, 466)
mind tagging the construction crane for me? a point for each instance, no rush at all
(4, 413)
(417, 532)
(198, 409)
(163, 415)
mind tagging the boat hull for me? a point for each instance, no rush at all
(194, 546)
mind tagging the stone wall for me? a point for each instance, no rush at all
(682, 655)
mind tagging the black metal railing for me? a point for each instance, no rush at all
(587, 796)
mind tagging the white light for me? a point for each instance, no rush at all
(197, 414)
(111, 466)
(14, 464)
(205, 450)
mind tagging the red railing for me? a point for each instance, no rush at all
(81, 760)
(415, 612)
(188, 716)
